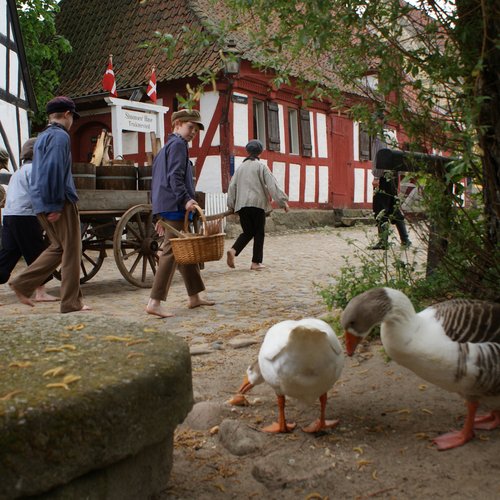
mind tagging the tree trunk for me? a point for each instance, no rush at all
(489, 120)
(478, 31)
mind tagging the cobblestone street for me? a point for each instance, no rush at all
(285, 289)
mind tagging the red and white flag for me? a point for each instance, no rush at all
(151, 90)
(108, 81)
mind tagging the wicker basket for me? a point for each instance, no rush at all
(196, 248)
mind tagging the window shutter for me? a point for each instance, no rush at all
(364, 144)
(273, 126)
(305, 132)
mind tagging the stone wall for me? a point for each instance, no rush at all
(280, 221)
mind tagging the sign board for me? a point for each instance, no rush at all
(137, 121)
(136, 117)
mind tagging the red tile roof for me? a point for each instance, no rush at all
(97, 28)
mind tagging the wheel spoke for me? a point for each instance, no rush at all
(150, 228)
(134, 265)
(127, 256)
(84, 271)
(130, 244)
(87, 257)
(131, 228)
(152, 263)
(140, 225)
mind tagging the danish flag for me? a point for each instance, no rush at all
(108, 81)
(151, 90)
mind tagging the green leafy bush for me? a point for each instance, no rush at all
(392, 268)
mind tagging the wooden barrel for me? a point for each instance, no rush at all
(120, 177)
(144, 177)
(83, 175)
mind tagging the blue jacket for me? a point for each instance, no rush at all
(172, 184)
(51, 178)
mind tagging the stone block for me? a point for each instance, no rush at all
(81, 394)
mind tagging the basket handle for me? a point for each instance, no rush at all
(200, 213)
(166, 225)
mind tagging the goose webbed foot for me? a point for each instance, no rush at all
(487, 422)
(453, 439)
(276, 427)
(281, 425)
(319, 425)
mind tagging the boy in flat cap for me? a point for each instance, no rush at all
(54, 198)
(172, 194)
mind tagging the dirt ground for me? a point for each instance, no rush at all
(381, 448)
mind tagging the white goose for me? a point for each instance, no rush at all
(454, 344)
(301, 359)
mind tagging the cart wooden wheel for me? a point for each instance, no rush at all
(135, 246)
(93, 254)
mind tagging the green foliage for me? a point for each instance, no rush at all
(44, 48)
(393, 268)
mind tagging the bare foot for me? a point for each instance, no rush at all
(84, 308)
(22, 298)
(257, 267)
(158, 311)
(231, 253)
(42, 296)
(196, 301)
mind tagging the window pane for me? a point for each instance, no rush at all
(259, 123)
(293, 131)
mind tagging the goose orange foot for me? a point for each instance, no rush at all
(487, 422)
(452, 439)
(276, 428)
(319, 425)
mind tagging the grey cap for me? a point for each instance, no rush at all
(254, 147)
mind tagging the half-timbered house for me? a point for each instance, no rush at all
(16, 91)
(317, 154)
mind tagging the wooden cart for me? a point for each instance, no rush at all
(121, 221)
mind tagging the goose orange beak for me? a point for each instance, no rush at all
(351, 341)
(245, 386)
